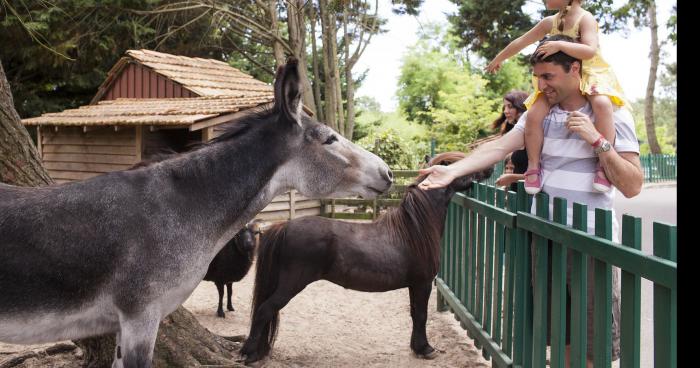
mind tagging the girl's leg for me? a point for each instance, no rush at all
(534, 137)
(603, 111)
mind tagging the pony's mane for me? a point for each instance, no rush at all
(232, 130)
(417, 222)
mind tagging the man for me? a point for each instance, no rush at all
(569, 152)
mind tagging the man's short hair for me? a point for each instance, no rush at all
(559, 58)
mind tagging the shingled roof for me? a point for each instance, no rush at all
(203, 77)
(201, 111)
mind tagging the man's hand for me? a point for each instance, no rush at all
(440, 177)
(580, 123)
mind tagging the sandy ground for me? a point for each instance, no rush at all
(329, 326)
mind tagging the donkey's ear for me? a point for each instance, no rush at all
(288, 91)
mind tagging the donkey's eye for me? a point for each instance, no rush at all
(331, 139)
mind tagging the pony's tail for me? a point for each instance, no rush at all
(266, 279)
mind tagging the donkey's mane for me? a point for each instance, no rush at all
(417, 222)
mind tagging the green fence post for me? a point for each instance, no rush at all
(665, 299)
(602, 318)
(539, 305)
(481, 225)
(522, 344)
(498, 271)
(631, 298)
(579, 294)
(509, 280)
(488, 275)
(558, 304)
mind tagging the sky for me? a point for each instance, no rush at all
(628, 55)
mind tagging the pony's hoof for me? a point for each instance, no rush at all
(230, 308)
(428, 353)
(221, 314)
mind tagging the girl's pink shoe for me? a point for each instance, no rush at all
(533, 186)
(601, 184)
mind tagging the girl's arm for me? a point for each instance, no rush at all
(530, 37)
(584, 50)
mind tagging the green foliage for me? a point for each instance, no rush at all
(390, 147)
(513, 75)
(465, 113)
(486, 27)
(665, 121)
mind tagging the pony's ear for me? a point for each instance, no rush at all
(288, 91)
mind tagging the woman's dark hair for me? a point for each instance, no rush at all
(517, 99)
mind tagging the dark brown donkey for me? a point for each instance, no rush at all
(400, 249)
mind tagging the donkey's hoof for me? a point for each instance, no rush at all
(428, 353)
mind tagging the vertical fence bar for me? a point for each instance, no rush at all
(631, 298)
(602, 319)
(488, 269)
(498, 271)
(459, 288)
(472, 261)
(522, 344)
(441, 305)
(579, 293)
(465, 240)
(665, 299)
(558, 328)
(510, 238)
(539, 306)
(481, 232)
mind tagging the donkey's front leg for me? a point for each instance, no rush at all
(419, 295)
(136, 340)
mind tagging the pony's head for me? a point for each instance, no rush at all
(321, 162)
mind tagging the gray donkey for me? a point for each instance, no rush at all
(119, 252)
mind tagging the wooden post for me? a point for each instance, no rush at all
(139, 143)
(207, 134)
(39, 144)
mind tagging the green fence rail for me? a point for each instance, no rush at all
(657, 168)
(489, 246)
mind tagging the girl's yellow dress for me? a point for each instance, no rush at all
(597, 77)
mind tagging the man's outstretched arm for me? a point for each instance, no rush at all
(481, 158)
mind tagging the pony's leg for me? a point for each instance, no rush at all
(264, 324)
(117, 362)
(419, 295)
(229, 306)
(137, 339)
(220, 289)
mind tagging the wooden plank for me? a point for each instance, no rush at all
(138, 81)
(291, 203)
(72, 175)
(300, 205)
(217, 120)
(153, 84)
(91, 131)
(90, 158)
(123, 84)
(116, 141)
(75, 148)
(161, 87)
(315, 211)
(132, 80)
(177, 90)
(272, 216)
(79, 166)
(276, 206)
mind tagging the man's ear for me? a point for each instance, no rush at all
(576, 68)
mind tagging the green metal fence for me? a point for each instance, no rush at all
(485, 279)
(659, 167)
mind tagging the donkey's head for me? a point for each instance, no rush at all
(323, 163)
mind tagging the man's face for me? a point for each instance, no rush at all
(556, 84)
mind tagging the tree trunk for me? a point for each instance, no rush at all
(296, 24)
(329, 63)
(182, 341)
(277, 48)
(314, 57)
(19, 159)
(651, 82)
(350, 83)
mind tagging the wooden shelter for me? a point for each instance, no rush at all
(152, 102)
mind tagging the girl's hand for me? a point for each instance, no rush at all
(548, 48)
(493, 66)
(506, 179)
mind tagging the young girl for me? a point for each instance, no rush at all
(598, 82)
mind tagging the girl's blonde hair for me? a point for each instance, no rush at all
(563, 14)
